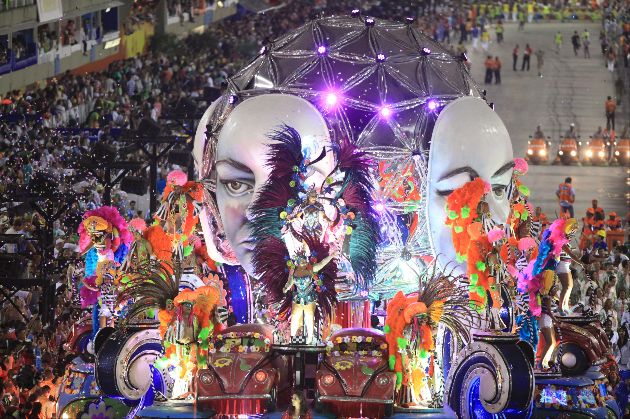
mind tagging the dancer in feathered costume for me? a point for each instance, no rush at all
(410, 326)
(294, 233)
(171, 236)
(104, 240)
(187, 318)
(141, 249)
(303, 286)
(553, 248)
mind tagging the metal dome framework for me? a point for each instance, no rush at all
(379, 84)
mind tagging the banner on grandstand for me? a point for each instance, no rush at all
(48, 10)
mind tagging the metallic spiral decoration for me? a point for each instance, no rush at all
(496, 370)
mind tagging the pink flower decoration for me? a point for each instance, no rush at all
(526, 243)
(495, 235)
(520, 165)
(177, 177)
(486, 187)
(138, 224)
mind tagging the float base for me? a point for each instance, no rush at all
(174, 409)
(425, 413)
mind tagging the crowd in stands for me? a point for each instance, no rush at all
(602, 281)
(32, 141)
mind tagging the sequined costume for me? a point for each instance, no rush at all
(305, 292)
(310, 217)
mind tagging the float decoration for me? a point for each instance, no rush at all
(412, 322)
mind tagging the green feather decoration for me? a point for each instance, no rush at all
(402, 343)
(473, 279)
(392, 362)
(188, 250)
(386, 329)
(465, 211)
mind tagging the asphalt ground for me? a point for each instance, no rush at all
(572, 90)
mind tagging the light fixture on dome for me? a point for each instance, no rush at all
(385, 111)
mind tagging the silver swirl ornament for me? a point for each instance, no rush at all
(492, 377)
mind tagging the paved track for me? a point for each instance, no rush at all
(572, 89)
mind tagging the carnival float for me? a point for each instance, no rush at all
(357, 242)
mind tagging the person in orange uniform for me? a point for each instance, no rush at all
(588, 229)
(613, 223)
(566, 198)
(489, 64)
(611, 106)
(496, 66)
(598, 210)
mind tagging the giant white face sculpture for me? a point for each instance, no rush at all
(240, 162)
(469, 141)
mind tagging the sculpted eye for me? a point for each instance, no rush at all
(237, 188)
(499, 190)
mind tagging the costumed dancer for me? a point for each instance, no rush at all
(296, 222)
(538, 278)
(172, 236)
(547, 319)
(410, 326)
(141, 249)
(187, 318)
(304, 284)
(104, 241)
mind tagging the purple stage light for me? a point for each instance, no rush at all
(426, 51)
(380, 57)
(263, 50)
(321, 50)
(369, 21)
(232, 99)
(432, 105)
(331, 99)
(355, 12)
(379, 207)
(385, 111)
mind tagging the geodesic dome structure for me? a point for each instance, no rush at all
(381, 85)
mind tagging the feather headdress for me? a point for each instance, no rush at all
(347, 188)
(152, 283)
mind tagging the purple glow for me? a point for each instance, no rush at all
(426, 50)
(379, 207)
(355, 11)
(385, 111)
(232, 99)
(432, 105)
(369, 21)
(380, 57)
(321, 50)
(331, 98)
